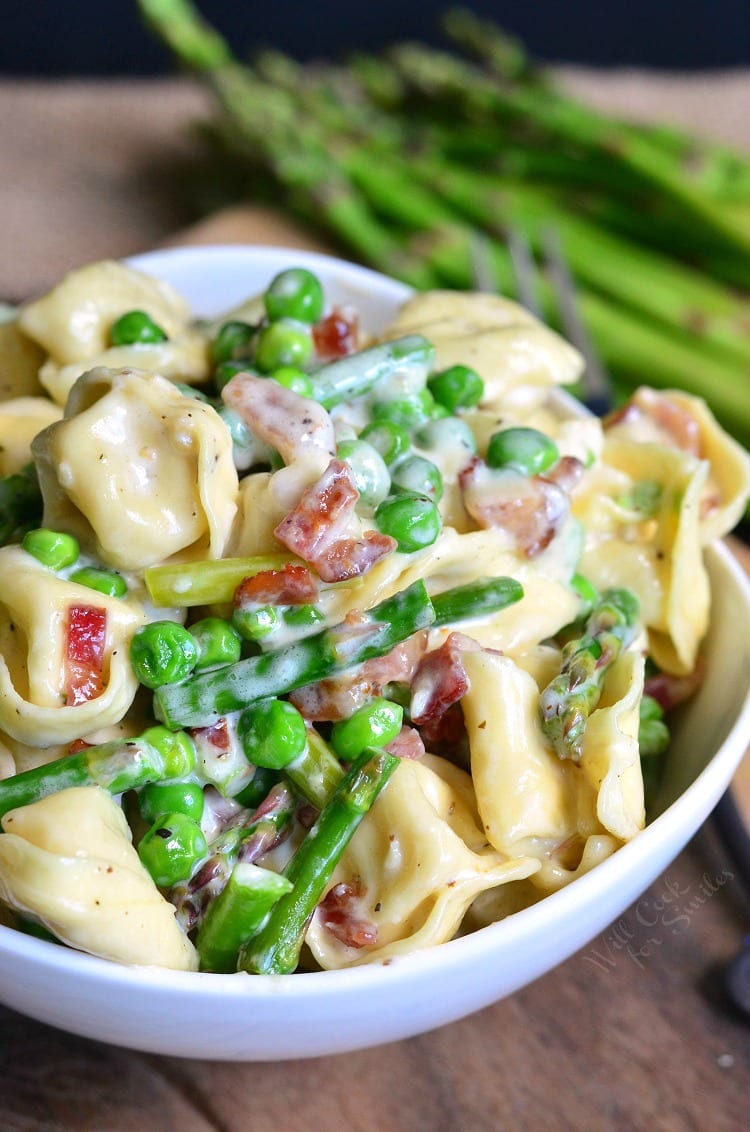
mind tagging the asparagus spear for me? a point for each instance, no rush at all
(275, 949)
(117, 766)
(208, 695)
(237, 914)
(477, 599)
(570, 697)
(356, 374)
(184, 584)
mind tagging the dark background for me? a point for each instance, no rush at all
(99, 37)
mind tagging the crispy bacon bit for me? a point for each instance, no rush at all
(284, 420)
(217, 735)
(336, 335)
(85, 638)
(566, 473)
(78, 745)
(407, 744)
(531, 508)
(315, 529)
(446, 735)
(441, 679)
(291, 585)
(338, 914)
(669, 691)
(673, 421)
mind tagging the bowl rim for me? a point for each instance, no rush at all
(684, 815)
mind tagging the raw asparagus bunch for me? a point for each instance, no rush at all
(570, 697)
(401, 158)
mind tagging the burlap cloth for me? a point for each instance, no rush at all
(93, 169)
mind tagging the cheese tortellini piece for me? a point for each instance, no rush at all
(68, 863)
(138, 471)
(20, 421)
(415, 866)
(34, 609)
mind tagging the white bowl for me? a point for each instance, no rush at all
(239, 1017)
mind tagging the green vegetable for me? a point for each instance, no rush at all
(371, 477)
(316, 772)
(283, 343)
(159, 798)
(211, 582)
(446, 433)
(418, 476)
(477, 599)
(171, 848)
(117, 766)
(272, 733)
(653, 733)
(413, 520)
(176, 748)
(103, 581)
(389, 439)
(275, 949)
(224, 373)
(587, 592)
(207, 695)
(20, 504)
(237, 914)
(570, 697)
(162, 652)
(52, 548)
(254, 623)
(291, 377)
(525, 449)
(295, 293)
(218, 642)
(375, 724)
(232, 343)
(358, 373)
(458, 387)
(135, 328)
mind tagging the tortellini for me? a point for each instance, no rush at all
(34, 607)
(20, 359)
(138, 471)
(414, 866)
(68, 863)
(20, 421)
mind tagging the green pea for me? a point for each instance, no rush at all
(234, 340)
(291, 377)
(257, 788)
(160, 798)
(408, 412)
(375, 724)
(104, 581)
(176, 748)
(191, 391)
(52, 548)
(256, 622)
(419, 476)
(458, 387)
(135, 328)
(525, 449)
(162, 652)
(272, 733)
(413, 520)
(371, 477)
(218, 642)
(172, 848)
(443, 435)
(388, 438)
(295, 293)
(283, 343)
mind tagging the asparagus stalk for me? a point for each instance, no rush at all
(477, 599)
(117, 766)
(316, 772)
(202, 699)
(276, 948)
(237, 914)
(358, 373)
(186, 584)
(571, 696)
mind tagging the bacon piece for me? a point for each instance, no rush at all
(674, 422)
(669, 691)
(531, 508)
(315, 530)
(336, 335)
(338, 912)
(216, 735)
(291, 585)
(441, 679)
(446, 735)
(284, 420)
(566, 473)
(407, 744)
(340, 696)
(85, 639)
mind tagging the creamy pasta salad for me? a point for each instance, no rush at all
(317, 649)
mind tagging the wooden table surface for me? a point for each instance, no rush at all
(634, 1032)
